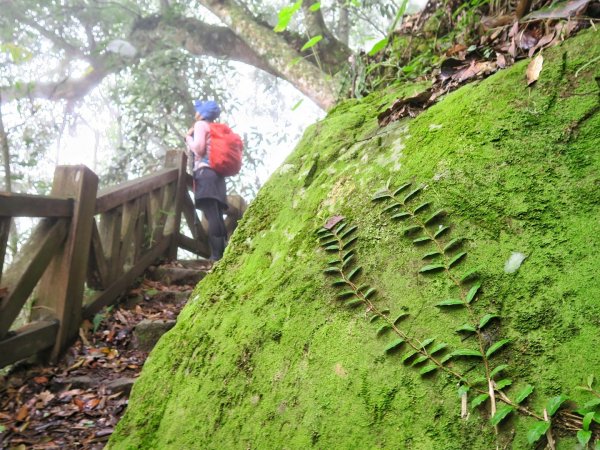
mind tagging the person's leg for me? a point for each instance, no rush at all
(217, 234)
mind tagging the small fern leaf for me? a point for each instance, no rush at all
(354, 273)
(408, 356)
(422, 207)
(348, 232)
(349, 242)
(345, 294)
(496, 346)
(354, 303)
(348, 255)
(422, 240)
(469, 275)
(333, 262)
(524, 393)
(381, 195)
(427, 369)
(348, 262)
(332, 271)
(340, 227)
(451, 302)
(412, 194)
(400, 318)
(329, 242)
(402, 188)
(466, 328)
(441, 231)
(385, 312)
(501, 414)
(432, 268)
(401, 216)
(472, 292)
(394, 346)
(426, 342)
(466, 352)
(374, 318)
(479, 400)
(383, 329)
(339, 282)
(411, 230)
(446, 358)
(456, 259)
(324, 232)
(486, 319)
(503, 383)
(420, 360)
(453, 244)
(431, 255)
(438, 348)
(435, 217)
(369, 293)
(497, 370)
(391, 207)
(332, 248)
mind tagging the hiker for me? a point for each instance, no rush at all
(209, 187)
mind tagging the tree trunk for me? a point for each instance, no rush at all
(285, 61)
(5, 153)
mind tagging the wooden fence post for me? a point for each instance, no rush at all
(60, 293)
(176, 158)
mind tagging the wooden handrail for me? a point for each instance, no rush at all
(25, 205)
(107, 238)
(112, 197)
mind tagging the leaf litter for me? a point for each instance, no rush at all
(501, 41)
(77, 402)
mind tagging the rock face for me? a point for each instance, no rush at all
(147, 333)
(265, 356)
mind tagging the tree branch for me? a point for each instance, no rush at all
(271, 48)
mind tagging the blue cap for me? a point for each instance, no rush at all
(209, 110)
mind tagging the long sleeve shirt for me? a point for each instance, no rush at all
(199, 144)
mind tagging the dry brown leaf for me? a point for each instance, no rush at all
(79, 403)
(333, 221)
(40, 380)
(534, 68)
(561, 10)
(91, 404)
(22, 413)
(500, 60)
(45, 397)
(455, 49)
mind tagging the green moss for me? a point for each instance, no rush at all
(264, 357)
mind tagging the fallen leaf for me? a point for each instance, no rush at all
(534, 68)
(333, 221)
(562, 10)
(455, 49)
(91, 404)
(40, 380)
(79, 403)
(500, 60)
(22, 413)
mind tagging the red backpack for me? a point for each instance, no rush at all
(226, 149)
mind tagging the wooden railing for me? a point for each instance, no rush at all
(102, 241)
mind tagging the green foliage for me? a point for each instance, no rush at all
(285, 15)
(422, 228)
(535, 432)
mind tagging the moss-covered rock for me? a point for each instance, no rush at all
(264, 356)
